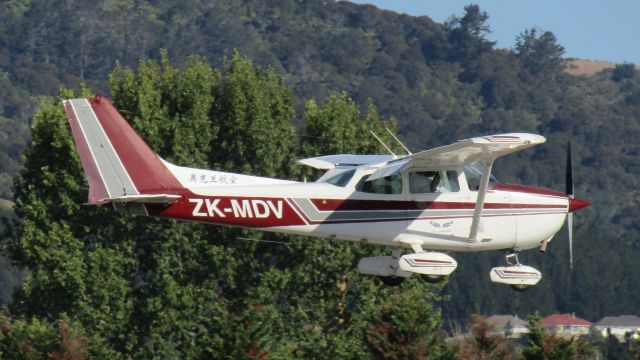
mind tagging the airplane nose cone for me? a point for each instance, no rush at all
(576, 204)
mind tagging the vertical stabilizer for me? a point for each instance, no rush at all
(116, 161)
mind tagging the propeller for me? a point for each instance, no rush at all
(571, 196)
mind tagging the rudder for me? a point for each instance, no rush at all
(116, 160)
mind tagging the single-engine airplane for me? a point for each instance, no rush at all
(423, 204)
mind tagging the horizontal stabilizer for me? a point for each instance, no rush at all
(145, 199)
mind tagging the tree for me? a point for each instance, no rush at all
(482, 344)
(539, 53)
(253, 104)
(467, 34)
(622, 71)
(337, 127)
(544, 346)
(535, 335)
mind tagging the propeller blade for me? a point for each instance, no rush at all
(569, 177)
(570, 192)
(570, 226)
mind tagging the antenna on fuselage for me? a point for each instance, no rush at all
(399, 142)
(383, 144)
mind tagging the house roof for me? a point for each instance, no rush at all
(501, 321)
(630, 321)
(564, 320)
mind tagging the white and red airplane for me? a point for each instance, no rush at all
(424, 204)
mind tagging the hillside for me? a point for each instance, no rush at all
(442, 82)
(579, 67)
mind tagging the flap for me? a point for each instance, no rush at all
(346, 160)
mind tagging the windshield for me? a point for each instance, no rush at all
(473, 173)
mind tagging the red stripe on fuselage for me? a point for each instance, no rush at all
(262, 212)
(364, 205)
(148, 173)
(97, 188)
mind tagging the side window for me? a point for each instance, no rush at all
(473, 173)
(341, 179)
(386, 185)
(473, 176)
(441, 181)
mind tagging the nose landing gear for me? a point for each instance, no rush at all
(519, 276)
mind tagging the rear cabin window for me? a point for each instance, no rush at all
(386, 185)
(439, 181)
(341, 179)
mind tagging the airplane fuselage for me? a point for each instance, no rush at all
(516, 218)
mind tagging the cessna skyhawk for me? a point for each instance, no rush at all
(425, 204)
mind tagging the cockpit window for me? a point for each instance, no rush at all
(473, 173)
(438, 181)
(341, 179)
(386, 185)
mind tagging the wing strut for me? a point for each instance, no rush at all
(482, 192)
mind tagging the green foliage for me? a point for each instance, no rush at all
(253, 105)
(37, 339)
(624, 71)
(337, 127)
(404, 328)
(542, 346)
(481, 344)
(539, 54)
(467, 34)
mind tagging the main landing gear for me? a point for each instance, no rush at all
(435, 267)
(392, 270)
(519, 276)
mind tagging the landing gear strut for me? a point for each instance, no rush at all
(393, 280)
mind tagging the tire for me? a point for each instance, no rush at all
(520, 288)
(391, 280)
(432, 279)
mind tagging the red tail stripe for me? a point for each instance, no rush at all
(145, 168)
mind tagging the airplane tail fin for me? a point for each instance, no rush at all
(119, 165)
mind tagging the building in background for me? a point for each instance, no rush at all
(619, 326)
(566, 324)
(509, 326)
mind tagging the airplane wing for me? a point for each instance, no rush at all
(486, 148)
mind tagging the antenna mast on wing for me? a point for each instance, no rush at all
(383, 144)
(399, 142)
